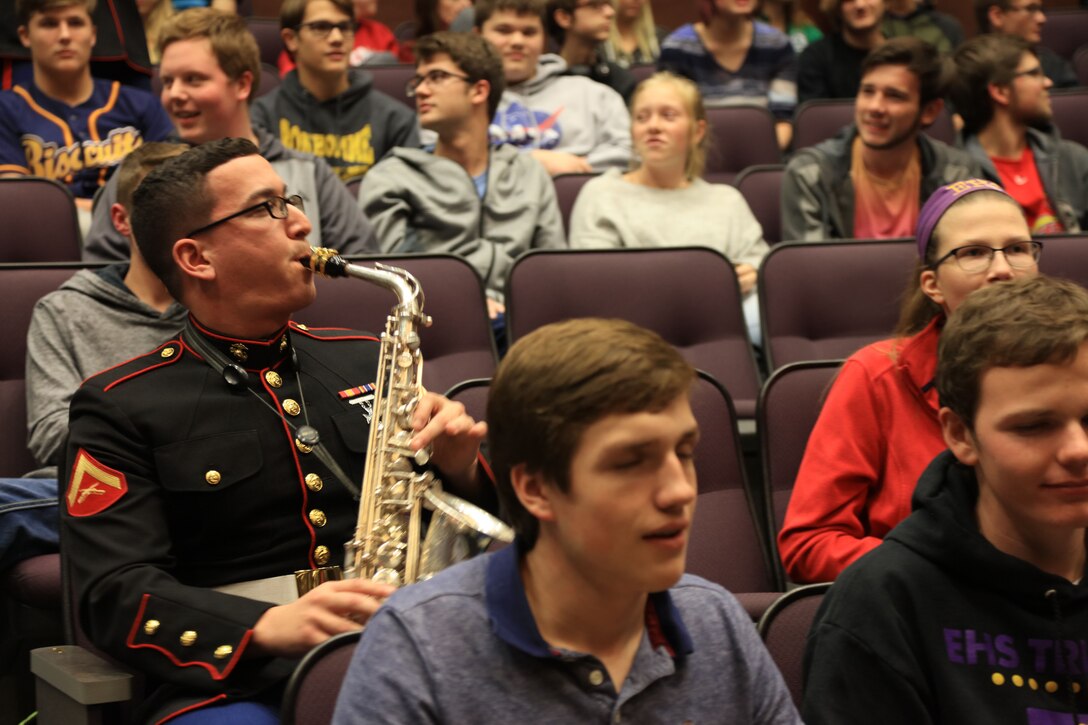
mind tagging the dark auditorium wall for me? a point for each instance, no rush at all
(668, 13)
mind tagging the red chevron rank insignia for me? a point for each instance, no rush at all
(93, 488)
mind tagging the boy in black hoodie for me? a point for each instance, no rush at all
(325, 107)
(974, 609)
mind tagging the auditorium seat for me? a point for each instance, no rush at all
(1065, 255)
(392, 80)
(1070, 108)
(1065, 30)
(825, 300)
(459, 344)
(310, 695)
(269, 42)
(50, 233)
(761, 187)
(1080, 64)
(785, 628)
(567, 187)
(688, 295)
(741, 136)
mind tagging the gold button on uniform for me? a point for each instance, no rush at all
(321, 555)
(239, 352)
(317, 517)
(273, 378)
(213, 477)
(302, 327)
(596, 677)
(187, 638)
(283, 343)
(302, 447)
(167, 352)
(291, 407)
(223, 651)
(314, 482)
(151, 626)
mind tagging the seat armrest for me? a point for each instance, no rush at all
(71, 682)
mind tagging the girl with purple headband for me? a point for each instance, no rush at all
(878, 428)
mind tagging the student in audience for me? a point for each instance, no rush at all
(97, 319)
(878, 427)
(210, 68)
(1025, 19)
(735, 59)
(579, 29)
(324, 107)
(634, 38)
(487, 205)
(67, 125)
(569, 124)
(918, 19)
(974, 610)
(789, 17)
(870, 181)
(588, 616)
(1001, 93)
(374, 42)
(831, 66)
(154, 14)
(664, 202)
(435, 15)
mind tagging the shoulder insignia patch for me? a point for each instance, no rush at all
(93, 487)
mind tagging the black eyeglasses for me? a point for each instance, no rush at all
(433, 78)
(595, 4)
(276, 208)
(1029, 9)
(322, 28)
(1036, 72)
(975, 258)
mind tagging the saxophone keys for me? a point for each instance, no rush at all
(405, 359)
(387, 576)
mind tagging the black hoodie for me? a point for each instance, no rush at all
(938, 626)
(352, 131)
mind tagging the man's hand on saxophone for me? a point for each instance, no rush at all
(291, 630)
(454, 437)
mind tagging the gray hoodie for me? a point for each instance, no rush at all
(91, 323)
(419, 202)
(559, 112)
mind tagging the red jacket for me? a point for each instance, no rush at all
(877, 432)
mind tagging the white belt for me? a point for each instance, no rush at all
(275, 589)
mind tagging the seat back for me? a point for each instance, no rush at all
(1065, 30)
(23, 286)
(727, 543)
(825, 300)
(567, 187)
(1070, 107)
(269, 42)
(1064, 256)
(270, 80)
(459, 344)
(1080, 64)
(761, 187)
(785, 627)
(311, 692)
(473, 395)
(392, 80)
(741, 136)
(789, 405)
(50, 233)
(688, 295)
(821, 119)
(642, 71)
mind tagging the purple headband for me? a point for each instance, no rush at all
(939, 201)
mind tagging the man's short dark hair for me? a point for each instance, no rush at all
(173, 199)
(982, 13)
(486, 8)
(476, 58)
(24, 9)
(562, 378)
(920, 58)
(556, 31)
(293, 11)
(1018, 323)
(980, 61)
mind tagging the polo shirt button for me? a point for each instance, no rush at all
(596, 677)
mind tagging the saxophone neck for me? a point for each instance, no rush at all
(328, 263)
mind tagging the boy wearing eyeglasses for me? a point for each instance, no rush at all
(486, 204)
(974, 609)
(1002, 93)
(324, 106)
(1025, 19)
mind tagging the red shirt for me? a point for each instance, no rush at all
(370, 37)
(1020, 177)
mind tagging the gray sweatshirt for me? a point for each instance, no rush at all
(557, 112)
(419, 202)
(91, 323)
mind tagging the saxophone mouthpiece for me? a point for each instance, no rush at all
(326, 262)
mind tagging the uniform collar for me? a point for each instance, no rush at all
(250, 354)
(512, 619)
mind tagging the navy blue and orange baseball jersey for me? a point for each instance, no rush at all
(77, 145)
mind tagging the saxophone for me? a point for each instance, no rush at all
(388, 545)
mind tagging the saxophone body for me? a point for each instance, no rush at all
(388, 545)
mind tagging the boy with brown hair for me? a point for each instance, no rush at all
(588, 616)
(974, 609)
